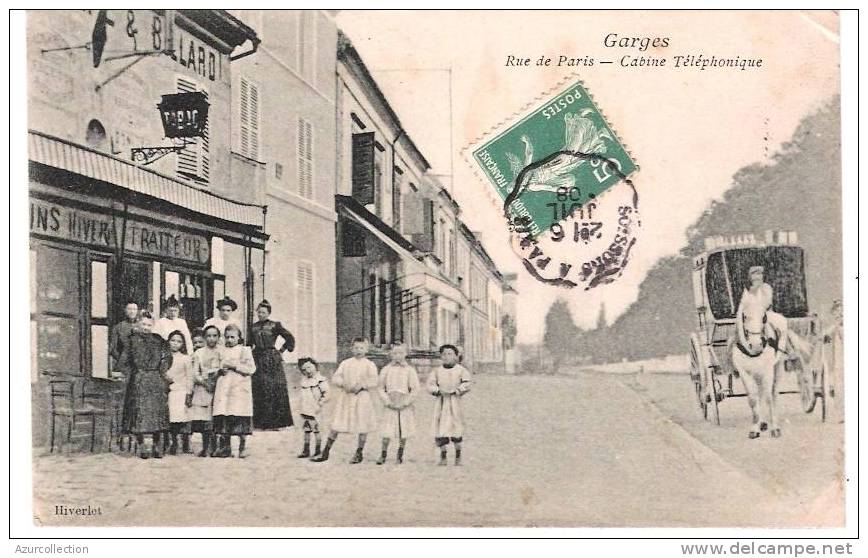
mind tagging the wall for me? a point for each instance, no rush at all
(67, 92)
(294, 72)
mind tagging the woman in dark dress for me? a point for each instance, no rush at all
(270, 394)
(145, 359)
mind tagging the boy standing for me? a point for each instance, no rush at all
(313, 391)
(399, 385)
(448, 383)
(354, 410)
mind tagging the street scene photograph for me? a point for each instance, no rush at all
(329, 268)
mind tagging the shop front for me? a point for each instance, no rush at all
(104, 232)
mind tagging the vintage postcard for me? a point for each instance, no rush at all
(321, 268)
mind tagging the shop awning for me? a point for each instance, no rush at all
(59, 153)
(357, 212)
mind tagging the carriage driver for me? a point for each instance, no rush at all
(759, 295)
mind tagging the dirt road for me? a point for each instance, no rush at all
(583, 451)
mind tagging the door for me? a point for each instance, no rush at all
(133, 284)
(195, 293)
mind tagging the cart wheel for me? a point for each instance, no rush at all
(696, 375)
(807, 391)
(717, 395)
(701, 373)
(700, 398)
(824, 391)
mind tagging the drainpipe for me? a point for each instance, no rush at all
(264, 249)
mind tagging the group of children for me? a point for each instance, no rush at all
(397, 385)
(210, 393)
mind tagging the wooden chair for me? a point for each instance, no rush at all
(64, 405)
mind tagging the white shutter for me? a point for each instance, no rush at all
(305, 305)
(249, 119)
(194, 161)
(254, 122)
(244, 126)
(305, 158)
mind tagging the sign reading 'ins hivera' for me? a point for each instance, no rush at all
(101, 231)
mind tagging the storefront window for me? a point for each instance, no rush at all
(217, 247)
(58, 305)
(99, 351)
(98, 290)
(99, 330)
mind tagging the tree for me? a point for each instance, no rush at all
(561, 333)
(798, 190)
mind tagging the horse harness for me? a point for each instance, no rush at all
(766, 341)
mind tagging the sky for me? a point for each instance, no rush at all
(689, 130)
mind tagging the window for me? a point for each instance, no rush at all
(58, 311)
(305, 159)
(452, 256)
(383, 317)
(372, 307)
(363, 167)
(194, 161)
(249, 119)
(441, 241)
(396, 201)
(99, 327)
(305, 305)
(378, 184)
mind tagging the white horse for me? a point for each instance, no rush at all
(759, 359)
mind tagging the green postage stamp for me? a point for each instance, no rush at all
(553, 161)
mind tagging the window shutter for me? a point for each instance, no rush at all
(412, 218)
(249, 119)
(305, 158)
(305, 305)
(194, 161)
(245, 117)
(425, 240)
(254, 122)
(396, 203)
(363, 167)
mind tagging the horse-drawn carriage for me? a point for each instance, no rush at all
(720, 277)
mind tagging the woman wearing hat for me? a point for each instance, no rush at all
(174, 322)
(270, 395)
(225, 316)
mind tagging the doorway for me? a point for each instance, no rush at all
(133, 284)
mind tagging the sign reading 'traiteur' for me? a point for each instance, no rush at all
(101, 231)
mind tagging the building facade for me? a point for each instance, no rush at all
(284, 142)
(405, 261)
(485, 288)
(300, 186)
(111, 222)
